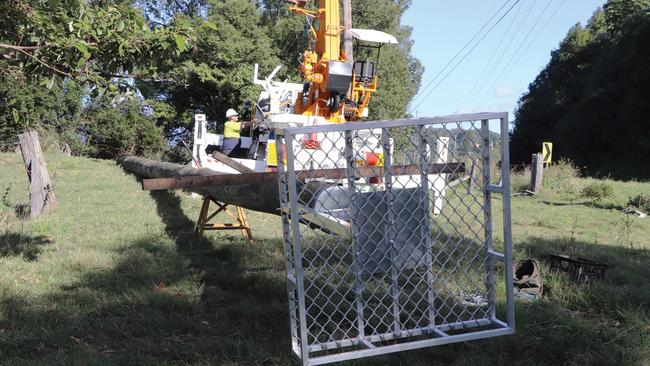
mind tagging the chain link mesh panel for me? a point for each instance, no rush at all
(388, 234)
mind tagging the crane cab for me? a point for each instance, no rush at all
(366, 67)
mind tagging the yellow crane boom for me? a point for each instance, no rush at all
(334, 89)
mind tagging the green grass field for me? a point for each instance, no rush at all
(113, 276)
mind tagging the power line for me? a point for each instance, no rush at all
(491, 6)
(465, 56)
(515, 54)
(477, 81)
(462, 49)
(541, 30)
(503, 54)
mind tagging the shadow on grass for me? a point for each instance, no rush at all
(593, 204)
(626, 281)
(602, 323)
(21, 210)
(164, 299)
(173, 299)
(17, 244)
(605, 323)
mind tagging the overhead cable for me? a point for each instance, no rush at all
(462, 49)
(477, 86)
(517, 52)
(503, 54)
(463, 58)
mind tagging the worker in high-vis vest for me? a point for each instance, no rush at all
(231, 132)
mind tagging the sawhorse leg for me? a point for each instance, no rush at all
(203, 223)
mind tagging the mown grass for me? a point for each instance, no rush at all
(115, 277)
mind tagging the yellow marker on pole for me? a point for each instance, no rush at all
(547, 152)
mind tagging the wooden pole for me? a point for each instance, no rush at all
(537, 173)
(220, 179)
(347, 37)
(260, 193)
(262, 197)
(231, 162)
(470, 184)
(41, 191)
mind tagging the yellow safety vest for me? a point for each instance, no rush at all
(231, 130)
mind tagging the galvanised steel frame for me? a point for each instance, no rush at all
(370, 268)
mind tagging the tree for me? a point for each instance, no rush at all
(111, 128)
(288, 35)
(85, 41)
(617, 11)
(588, 100)
(180, 56)
(24, 106)
(217, 73)
(78, 50)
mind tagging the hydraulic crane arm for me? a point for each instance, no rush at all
(333, 89)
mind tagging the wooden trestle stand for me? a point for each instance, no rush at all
(203, 223)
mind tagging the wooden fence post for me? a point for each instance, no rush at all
(41, 191)
(471, 182)
(536, 173)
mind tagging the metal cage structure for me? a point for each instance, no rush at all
(388, 234)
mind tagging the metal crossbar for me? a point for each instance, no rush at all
(393, 249)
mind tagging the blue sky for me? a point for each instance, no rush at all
(499, 69)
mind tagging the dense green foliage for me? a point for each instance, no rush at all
(85, 40)
(61, 59)
(102, 127)
(640, 201)
(591, 100)
(114, 128)
(29, 105)
(217, 73)
(597, 191)
(108, 76)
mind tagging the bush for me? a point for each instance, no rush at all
(520, 179)
(176, 154)
(122, 127)
(562, 177)
(641, 201)
(597, 191)
(25, 106)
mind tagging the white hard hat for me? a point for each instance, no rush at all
(231, 112)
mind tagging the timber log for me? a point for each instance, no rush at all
(262, 197)
(259, 191)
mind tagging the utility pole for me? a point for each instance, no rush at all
(347, 37)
